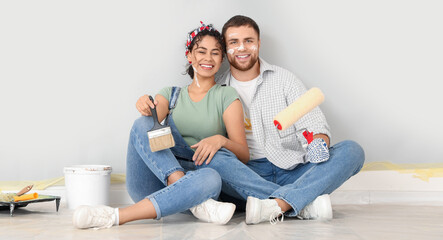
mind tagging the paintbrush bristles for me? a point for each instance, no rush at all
(161, 142)
(160, 136)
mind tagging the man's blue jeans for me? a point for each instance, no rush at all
(304, 183)
(147, 173)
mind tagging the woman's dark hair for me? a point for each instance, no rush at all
(239, 21)
(198, 38)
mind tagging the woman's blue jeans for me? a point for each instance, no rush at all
(147, 174)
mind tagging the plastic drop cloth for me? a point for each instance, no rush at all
(360, 222)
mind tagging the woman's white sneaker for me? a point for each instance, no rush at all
(94, 217)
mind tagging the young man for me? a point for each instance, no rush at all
(299, 179)
(304, 174)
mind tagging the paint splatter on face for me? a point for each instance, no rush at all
(195, 76)
(242, 47)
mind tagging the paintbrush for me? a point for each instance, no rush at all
(160, 136)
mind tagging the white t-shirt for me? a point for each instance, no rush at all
(245, 90)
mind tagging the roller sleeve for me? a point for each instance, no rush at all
(304, 104)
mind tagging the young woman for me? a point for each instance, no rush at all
(167, 182)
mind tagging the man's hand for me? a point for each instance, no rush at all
(317, 151)
(206, 149)
(144, 105)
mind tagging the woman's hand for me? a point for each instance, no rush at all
(144, 105)
(206, 149)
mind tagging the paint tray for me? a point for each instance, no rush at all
(41, 198)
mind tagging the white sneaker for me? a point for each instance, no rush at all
(213, 211)
(94, 217)
(320, 208)
(262, 210)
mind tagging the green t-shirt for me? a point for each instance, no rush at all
(198, 120)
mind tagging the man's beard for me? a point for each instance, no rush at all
(242, 67)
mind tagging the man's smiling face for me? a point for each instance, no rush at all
(242, 46)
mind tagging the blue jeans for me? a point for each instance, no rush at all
(304, 183)
(147, 174)
(238, 180)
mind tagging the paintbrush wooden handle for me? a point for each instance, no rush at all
(25, 190)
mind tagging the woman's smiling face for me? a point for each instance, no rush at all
(206, 57)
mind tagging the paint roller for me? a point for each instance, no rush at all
(304, 104)
(26, 197)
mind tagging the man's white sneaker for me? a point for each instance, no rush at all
(320, 208)
(213, 211)
(262, 210)
(94, 217)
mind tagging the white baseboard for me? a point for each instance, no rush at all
(118, 195)
(367, 187)
(389, 187)
(340, 197)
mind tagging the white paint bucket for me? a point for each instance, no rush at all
(87, 185)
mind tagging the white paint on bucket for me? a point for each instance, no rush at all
(87, 185)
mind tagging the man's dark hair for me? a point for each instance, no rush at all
(238, 21)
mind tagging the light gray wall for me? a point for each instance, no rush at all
(71, 72)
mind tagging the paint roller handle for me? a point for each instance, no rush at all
(154, 116)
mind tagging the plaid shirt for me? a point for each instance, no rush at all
(276, 89)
